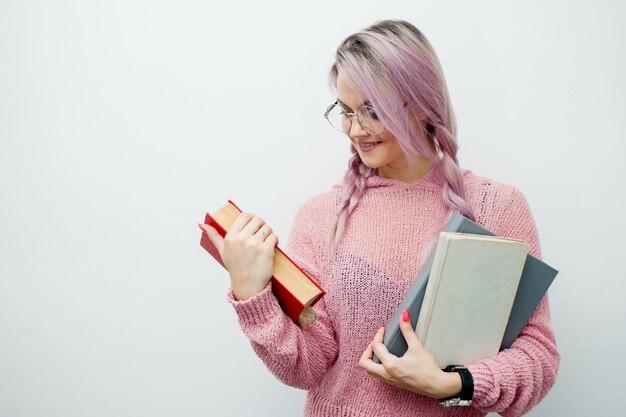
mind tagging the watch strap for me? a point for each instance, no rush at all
(467, 387)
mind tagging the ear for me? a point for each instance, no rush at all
(417, 116)
(427, 130)
(430, 128)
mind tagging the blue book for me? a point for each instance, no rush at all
(537, 276)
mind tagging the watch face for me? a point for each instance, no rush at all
(455, 402)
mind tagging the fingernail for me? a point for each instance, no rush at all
(405, 315)
(382, 326)
(200, 226)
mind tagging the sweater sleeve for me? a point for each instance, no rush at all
(297, 357)
(516, 379)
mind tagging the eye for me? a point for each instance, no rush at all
(369, 112)
(343, 112)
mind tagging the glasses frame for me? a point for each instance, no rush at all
(349, 115)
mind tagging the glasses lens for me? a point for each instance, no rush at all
(368, 119)
(370, 122)
(337, 118)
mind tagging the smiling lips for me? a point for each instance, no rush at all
(368, 146)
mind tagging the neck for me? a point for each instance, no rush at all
(406, 173)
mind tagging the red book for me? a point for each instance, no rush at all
(294, 288)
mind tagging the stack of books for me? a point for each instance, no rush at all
(472, 296)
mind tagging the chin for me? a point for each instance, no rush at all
(370, 164)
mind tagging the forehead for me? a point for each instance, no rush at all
(346, 95)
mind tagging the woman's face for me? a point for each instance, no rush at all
(376, 151)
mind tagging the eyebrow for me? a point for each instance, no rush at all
(345, 106)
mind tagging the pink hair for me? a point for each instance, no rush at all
(393, 66)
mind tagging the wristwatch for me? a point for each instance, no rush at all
(467, 388)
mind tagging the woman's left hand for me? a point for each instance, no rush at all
(415, 371)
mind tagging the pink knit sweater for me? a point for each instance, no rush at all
(386, 240)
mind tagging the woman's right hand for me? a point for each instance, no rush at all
(247, 251)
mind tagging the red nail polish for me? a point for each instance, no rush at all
(200, 226)
(405, 315)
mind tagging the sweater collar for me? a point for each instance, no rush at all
(432, 179)
(429, 180)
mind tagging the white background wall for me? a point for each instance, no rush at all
(123, 121)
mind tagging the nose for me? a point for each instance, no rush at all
(356, 130)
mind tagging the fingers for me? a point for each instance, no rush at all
(241, 222)
(263, 233)
(366, 362)
(272, 240)
(216, 239)
(260, 231)
(380, 350)
(253, 226)
(414, 371)
(380, 334)
(408, 332)
(247, 229)
(248, 224)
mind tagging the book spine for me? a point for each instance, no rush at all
(289, 303)
(205, 242)
(430, 295)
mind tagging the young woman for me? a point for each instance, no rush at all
(366, 239)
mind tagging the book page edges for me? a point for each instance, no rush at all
(311, 279)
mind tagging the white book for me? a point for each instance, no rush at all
(469, 295)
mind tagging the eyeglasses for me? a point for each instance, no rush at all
(341, 120)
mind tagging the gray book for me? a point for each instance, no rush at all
(534, 283)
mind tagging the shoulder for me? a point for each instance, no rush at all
(309, 230)
(315, 218)
(477, 184)
(319, 207)
(495, 204)
(488, 190)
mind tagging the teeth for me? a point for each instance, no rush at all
(369, 145)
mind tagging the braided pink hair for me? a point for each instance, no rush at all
(394, 67)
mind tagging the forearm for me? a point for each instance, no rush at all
(298, 357)
(516, 379)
